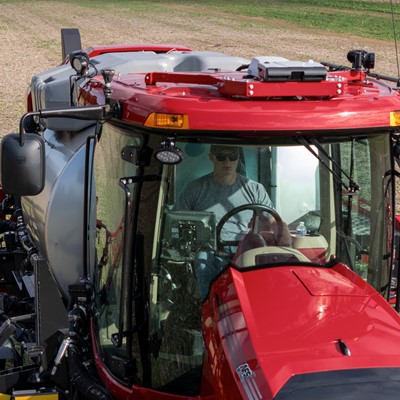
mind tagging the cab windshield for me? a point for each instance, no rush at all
(257, 206)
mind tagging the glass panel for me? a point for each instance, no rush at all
(355, 228)
(242, 205)
(175, 308)
(364, 229)
(111, 201)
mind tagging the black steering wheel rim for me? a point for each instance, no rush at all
(257, 209)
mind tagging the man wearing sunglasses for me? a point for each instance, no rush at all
(219, 192)
(222, 190)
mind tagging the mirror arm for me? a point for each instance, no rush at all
(83, 112)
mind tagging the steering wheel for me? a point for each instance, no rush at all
(257, 209)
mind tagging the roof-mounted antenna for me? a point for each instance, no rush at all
(395, 44)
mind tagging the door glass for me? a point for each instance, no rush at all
(111, 205)
(175, 306)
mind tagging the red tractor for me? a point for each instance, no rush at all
(182, 224)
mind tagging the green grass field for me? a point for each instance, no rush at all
(377, 19)
(372, 19)
(360, 18)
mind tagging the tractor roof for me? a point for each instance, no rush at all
(208, 91)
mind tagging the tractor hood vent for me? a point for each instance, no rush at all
(325, 282)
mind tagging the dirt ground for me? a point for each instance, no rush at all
(30, 39)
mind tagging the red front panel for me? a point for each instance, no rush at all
(287, 321)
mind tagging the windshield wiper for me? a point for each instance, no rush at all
(307, 142)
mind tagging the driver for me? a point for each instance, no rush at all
(223, 190)
(219, 192)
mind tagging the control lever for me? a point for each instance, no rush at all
(61, 354)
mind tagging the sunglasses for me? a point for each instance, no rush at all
(223, 156)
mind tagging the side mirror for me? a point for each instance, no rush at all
(22, 165)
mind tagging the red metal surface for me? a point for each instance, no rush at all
(245, 330)
(251, 88)
(29, 106)
(94, 51)
(301, 335)
(363, 105)
(397, 221)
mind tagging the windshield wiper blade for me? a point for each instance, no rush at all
(352, 187)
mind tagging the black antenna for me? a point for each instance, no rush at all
(395, 43)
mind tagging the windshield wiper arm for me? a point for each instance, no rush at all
(307, 142)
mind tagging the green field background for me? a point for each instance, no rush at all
(372, 19)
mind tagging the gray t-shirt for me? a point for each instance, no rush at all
(205, 194)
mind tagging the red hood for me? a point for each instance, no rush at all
(268, 336)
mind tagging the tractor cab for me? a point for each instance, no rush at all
(236, 223)
(198, 245)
